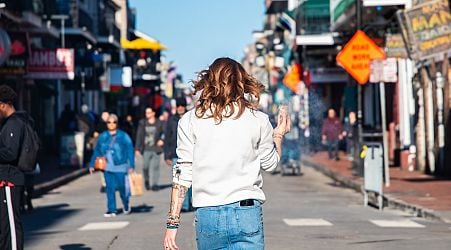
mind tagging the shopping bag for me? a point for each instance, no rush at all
(136, 184)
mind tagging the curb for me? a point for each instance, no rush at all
(45, 187)
(391, 202)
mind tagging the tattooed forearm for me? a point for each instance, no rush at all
(177, 196)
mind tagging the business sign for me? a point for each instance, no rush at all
(395, 47)
(428, 28)
(384, 70)
(357, 54)
(51, 64)
(16, 63)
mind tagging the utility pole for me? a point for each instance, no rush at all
(62, 18)
(359, 162)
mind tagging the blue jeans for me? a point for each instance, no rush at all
(115, 181)
(230, 227)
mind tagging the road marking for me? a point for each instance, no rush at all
(104, 225)
(307, 222)
(397, 223)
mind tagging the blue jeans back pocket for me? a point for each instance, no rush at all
(209, 225)
(249, 220)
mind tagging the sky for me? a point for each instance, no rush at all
(198, 31)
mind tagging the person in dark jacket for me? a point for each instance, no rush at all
(149, 145)
(332, 133)
(170, 144)
(12, 179)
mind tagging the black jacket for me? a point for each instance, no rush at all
(11, 137)
(141, 134)
(170, 137)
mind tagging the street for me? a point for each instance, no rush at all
(301, 212)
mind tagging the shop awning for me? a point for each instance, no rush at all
(142, 42)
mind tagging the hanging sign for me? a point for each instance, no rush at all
(428, 28)
(395, 47)
(357, 54)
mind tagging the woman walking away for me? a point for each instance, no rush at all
(116, 146)
(222, 144)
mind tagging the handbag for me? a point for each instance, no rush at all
(100, 162)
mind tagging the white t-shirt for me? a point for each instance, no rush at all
(222, 161)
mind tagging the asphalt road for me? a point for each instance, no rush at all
(301, 212)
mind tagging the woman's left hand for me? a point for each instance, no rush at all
(169, 239)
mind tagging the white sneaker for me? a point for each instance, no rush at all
(109, 214)
(128, 211)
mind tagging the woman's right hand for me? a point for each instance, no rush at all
(169, 239)
(283, 123)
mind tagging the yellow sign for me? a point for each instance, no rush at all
(357, 54)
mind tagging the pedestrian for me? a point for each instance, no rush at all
(149, 146)
(67, 121)
(128, 125)
(116, 146)
(332, 133)
(350, 129)
(12, 179)
(170, 145)
(222, 144)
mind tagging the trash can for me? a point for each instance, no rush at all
(373, 171)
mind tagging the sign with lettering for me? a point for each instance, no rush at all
(16, 63)
(51, 64)
(429, 29)
(395, 47)
(384, 70)
(357, 54)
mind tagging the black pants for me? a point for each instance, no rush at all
(5, 232)
(332, 148)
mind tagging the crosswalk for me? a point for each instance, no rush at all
(113, 225)
(395, 223)
(292, 222)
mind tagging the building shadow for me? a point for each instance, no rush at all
(36, 224)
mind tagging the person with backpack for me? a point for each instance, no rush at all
(18, 151)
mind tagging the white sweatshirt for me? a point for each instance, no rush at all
(222, 161)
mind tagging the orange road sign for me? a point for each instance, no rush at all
(357, 54)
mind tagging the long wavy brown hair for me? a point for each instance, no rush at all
(223, 88)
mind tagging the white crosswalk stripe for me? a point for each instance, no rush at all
(104, 225)
(307, 222)
(397, 223)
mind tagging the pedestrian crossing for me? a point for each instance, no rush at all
(113, 225)
(315, 222)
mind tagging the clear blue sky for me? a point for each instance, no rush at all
(198, 31)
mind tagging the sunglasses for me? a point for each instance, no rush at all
(111, 122)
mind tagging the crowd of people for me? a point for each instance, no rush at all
(225, 138)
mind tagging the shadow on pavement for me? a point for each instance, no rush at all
(41, 218)
(165, 186)
(144, 208)
(75, 246)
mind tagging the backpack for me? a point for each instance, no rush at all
(29, 150)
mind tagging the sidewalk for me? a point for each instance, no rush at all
(52, 175)
(423, 195)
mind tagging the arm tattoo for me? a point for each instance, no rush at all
(177, 196)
